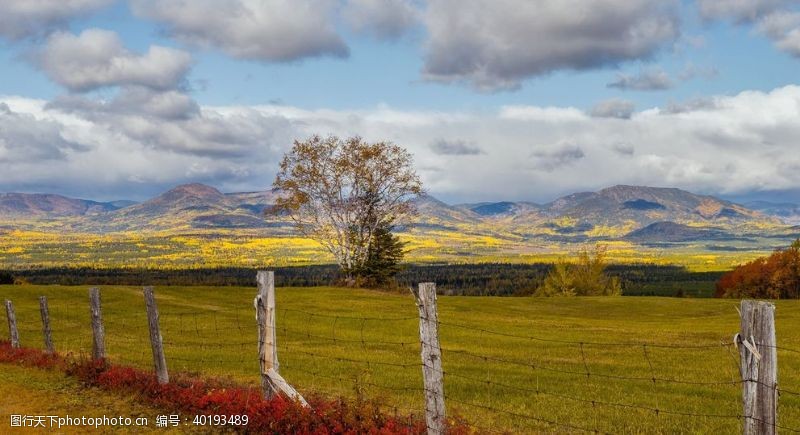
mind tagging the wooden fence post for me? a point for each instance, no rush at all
(98, 332)
(12, 324)
(759, 367)
(432, 373)
(272, 383)
(48, 335)
(156, 342)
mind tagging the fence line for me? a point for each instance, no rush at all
(209, 331)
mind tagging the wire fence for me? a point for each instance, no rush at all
(497, 377)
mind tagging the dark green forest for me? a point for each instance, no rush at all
(490, 279)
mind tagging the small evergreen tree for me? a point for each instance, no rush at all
(384, 253)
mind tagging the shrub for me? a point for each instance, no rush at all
(773, 277)
(587, 277)
(195, 396)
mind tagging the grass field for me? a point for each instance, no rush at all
(359, 343)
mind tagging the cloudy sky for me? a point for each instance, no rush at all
(497, 99)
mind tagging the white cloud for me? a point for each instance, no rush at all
(383, 19)
(648, 80)
(496, 44)
(776, 19)
(24, 18)
(726, 144)
(97, 58)
(783, 28)
(613, 108)
(739, 10)
(266, 30)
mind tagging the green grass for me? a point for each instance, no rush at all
(326, 346)
(34, 392)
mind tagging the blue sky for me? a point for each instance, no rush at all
(519, 91)
(388, 72)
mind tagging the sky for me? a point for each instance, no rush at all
(496, 99)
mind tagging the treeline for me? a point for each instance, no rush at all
(489, 279)
(773, 277)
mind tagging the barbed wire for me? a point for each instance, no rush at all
(204, 336)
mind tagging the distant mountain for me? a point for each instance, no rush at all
(501, 209)
(435, 214)
(609, 213)
(646, 205)
(785, 211)
(192, 206)
(660, 232)
(47, 205)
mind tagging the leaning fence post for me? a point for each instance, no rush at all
(759, 367)
(432, 373)
(48, 335)
(272, 383)
(98, 332)
(156, 342)
(12, 324)
(265, 314)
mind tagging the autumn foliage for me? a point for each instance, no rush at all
(773, 277)
(188, 395)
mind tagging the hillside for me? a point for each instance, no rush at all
(501, 230)
(48, 205)
(646, 205)
(661, 232)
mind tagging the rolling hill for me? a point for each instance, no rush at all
(618, 210)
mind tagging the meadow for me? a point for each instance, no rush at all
(521, 364)
(187, 249)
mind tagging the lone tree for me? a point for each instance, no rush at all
(347, 194)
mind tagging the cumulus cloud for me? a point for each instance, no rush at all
(264, 30)
(775, 19)
(24, 18)
(97, 58)
(784, 28)
(496, 44)
(747, 142)
(25, 138)
(613, 108)
(692, 105)
(455, 148)
(739, 10)
(383, 19)
(558, 156)
(647, 80)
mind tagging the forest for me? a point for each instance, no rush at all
(483, 279)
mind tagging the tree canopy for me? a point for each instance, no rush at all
(341, 192)
(586, 277)
(773, 277)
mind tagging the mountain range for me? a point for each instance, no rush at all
(636, 213)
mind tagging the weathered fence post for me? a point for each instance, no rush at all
(432, 373)
(48, 335)
(272, 383)
(12, 324)
(759, 366)
(98, 332)
(156, 342)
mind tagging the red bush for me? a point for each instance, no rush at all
(773, 277)
(193, 396)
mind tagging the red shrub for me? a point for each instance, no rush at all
(773, 277)
(193, 396)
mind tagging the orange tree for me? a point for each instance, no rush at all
(773, 277)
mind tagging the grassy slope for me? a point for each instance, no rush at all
(28, 391)
(211, 330)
